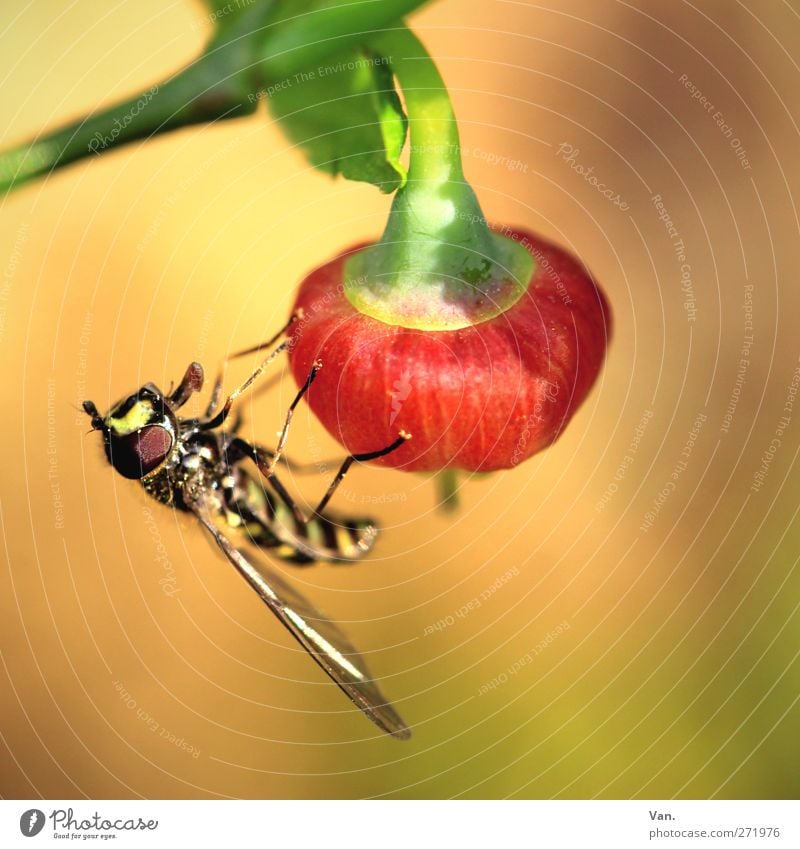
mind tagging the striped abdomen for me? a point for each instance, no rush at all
(270, 524)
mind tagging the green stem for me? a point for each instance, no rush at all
(195, 95)
(249, 49)
(447, 490)
(433, 130)
(438, 265)
(309, 38)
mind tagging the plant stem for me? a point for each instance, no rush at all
(300, 43)
(438, 265)
(433, 130)
(207, 90)
(447, 490)
(248, 51)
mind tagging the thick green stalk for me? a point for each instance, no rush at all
(195, 95)
(447, 490)
(309, 38)
(438, 265)
(249, 51)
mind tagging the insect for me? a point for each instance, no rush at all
(195, 465)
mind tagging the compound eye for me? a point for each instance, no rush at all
(136, 454)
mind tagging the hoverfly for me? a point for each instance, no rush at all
(196, 466)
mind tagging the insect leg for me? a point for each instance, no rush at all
(217, 388)
(276, 454)
(219, 418)
(318, 467)
(372, 455)
(311, 538)
(242, 448)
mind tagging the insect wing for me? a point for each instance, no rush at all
(320, 637)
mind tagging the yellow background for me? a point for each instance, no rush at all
(667, 659)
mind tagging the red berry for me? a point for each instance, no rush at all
(480, 398)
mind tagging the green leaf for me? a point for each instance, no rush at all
(346, 116)
(392, 120)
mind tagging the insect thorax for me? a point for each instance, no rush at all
(195, 462)
(160, 486)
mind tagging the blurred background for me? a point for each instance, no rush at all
(618, 617)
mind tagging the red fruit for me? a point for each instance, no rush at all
(480, 398)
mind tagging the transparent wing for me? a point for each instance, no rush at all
(320, 637)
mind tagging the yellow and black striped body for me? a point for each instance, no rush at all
(208, 461)
(173, 457)
(270, 524)
(233, 487)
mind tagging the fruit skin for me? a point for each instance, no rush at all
(481, 398)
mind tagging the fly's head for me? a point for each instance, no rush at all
(139, 432)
